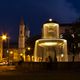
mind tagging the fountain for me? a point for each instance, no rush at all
(50, 44)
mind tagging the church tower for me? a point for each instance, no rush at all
(21, 44)
(24, 34)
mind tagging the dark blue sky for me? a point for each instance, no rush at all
(35, 13)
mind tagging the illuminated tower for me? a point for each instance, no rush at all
(24, 34)
(21, 41)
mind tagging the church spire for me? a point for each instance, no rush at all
(22, 21)
(21, 40)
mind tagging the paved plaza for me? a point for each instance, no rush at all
(39, 75)
(48, 75)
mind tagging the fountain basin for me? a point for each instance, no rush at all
(56, 48)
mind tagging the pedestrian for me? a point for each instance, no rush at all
(21, 60)
(49, 63)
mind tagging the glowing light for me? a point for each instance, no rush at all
(29, 48)
(35, 60)
(50, 19)
(11, 52)
(62, 55)
(21, 54)
(65, 41)
(7, 51)
(4, 37)
(48, 44)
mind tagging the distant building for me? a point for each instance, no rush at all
(63, 27)
(24, 33)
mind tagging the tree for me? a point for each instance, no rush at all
(67, 35)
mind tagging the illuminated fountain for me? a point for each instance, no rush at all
(50, 44)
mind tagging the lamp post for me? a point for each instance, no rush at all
(4, 38)
(29, 52)
(28, 48)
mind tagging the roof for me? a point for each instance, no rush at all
(22, 21)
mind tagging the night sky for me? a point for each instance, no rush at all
(35, 13)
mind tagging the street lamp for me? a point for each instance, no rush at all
(29, 52)
(28, 48)
(4, 38)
